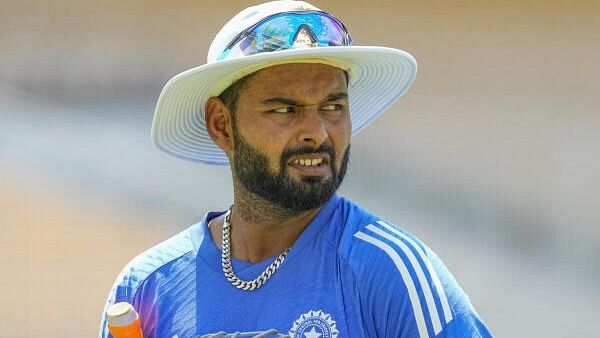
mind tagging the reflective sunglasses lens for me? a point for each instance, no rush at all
(289, 30)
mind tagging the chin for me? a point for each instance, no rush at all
(312, 179)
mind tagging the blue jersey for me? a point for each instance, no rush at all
(349, 274)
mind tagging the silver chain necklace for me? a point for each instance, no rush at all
(228, 268)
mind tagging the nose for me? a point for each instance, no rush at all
(312, 129)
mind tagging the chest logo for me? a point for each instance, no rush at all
(314, 324)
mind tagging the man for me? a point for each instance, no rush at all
(278, 100)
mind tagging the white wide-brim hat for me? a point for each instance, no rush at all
(378, 76)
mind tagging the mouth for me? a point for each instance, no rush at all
(311, 164)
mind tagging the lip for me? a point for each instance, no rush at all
(312, 156)
(323, 169)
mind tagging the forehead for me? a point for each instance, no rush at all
(297, 79)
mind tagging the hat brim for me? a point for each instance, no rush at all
(378, 77)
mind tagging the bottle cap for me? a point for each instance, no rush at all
(121, 314)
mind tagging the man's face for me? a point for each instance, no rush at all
(292, 134)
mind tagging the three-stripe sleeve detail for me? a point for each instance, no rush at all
(434, 276)
(412, 292)
(420, 284)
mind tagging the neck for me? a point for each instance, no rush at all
(260, 229)
(255, 209)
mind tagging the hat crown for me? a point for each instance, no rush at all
(248, 17)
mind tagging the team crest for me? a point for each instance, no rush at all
(314, 324)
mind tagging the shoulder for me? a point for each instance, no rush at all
(152, 260)
(138, 281)
(372, 245)
(375, 248)
(172, 252)
(396, 273)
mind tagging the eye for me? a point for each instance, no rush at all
(332, 107)
(284, 110)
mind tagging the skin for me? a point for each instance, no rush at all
(283, 107)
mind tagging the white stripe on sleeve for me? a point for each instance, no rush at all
(410, 286)
(434, 276)
(421, 279)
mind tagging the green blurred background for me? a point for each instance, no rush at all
(492, 158)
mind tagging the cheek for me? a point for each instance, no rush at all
(342, 143)
(272, 146)
(342, 134)
(262, 135)
(343, 127)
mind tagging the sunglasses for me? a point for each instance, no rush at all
(288, 30)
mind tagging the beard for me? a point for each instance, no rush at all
(251, 168)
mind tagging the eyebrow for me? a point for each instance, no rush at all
(292, 102)
(337, 96)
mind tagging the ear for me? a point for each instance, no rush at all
(218, 123)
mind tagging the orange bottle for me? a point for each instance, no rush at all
(124, 321)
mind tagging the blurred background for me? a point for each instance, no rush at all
(492, 158)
